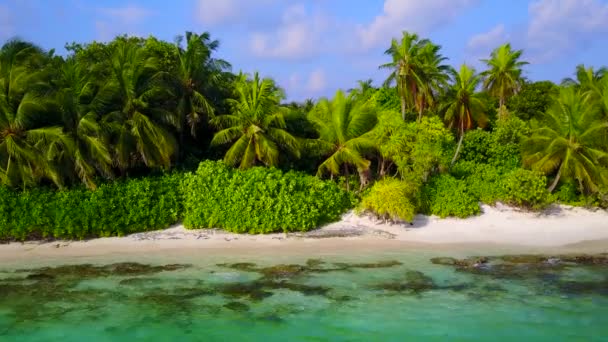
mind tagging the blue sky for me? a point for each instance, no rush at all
(313, 47)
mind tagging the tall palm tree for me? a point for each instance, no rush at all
(503, 78)
(196, 71)
(26, 128)
(406, 68)
(463, 107)
(139, 135)
(571, 141)
(256, 124)
(417, 70)
(78, 87)
(342, 124)
(434, 77)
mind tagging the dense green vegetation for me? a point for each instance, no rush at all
(117, 208)
(259, 200)
(87, 137)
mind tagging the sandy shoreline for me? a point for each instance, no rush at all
(560, 229)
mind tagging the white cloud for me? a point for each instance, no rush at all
(299, 35)
(559, 26)
(212, 12)
(410, 15)
(7, 30)
(216, 12)
(129, 14)
(301, 87)
(488, 40)
(119, 20)
(316, 81)
(294, 81)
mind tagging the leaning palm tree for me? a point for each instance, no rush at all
(25, 134)
(256, 126)
(571, 143)
(406, 68)
(503, 78)
(196, 71)
(137, 125)
(79, 104)
(342, 124)
(463, 107)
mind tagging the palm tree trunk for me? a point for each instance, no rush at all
(180, 148)
(403, 108)
(501, 109)
(556, 180)
(347, 175)
(459, 143)
(364, 176)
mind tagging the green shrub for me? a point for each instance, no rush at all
(259, 200)
(485, 183)
(499, 148)
(525, 188)
(447, 196)
(114, 209)
(567, 193)
(390, 198)
(476, 146)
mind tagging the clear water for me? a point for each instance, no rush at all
(336, 300)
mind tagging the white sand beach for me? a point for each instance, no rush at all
(560, 228)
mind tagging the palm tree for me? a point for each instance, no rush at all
(504, 75)
(589, 81)
(342, 124)
(363, 91)
(196, 71)
(137, 124)
(256, 125)
(434, 77)
(463, 107)
(572, 141)
(406, 68)
(77, 99)
(26, 133)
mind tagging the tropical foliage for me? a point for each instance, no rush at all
(256, 126)
(259, 200)
(417, 71)
(114, 209)
(571, 142)
(342, 124)
(390, 199)
(504, 77)
(462, 106)
(118, 118)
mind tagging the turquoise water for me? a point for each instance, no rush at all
(391, 297)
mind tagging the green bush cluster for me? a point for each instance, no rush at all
(484, 182)
(525, 188)
(114, 209)
(259, 200)
(447, 196)
(390, 198)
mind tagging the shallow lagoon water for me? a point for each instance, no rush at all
(392, 296)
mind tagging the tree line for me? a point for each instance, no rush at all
(134, 106)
